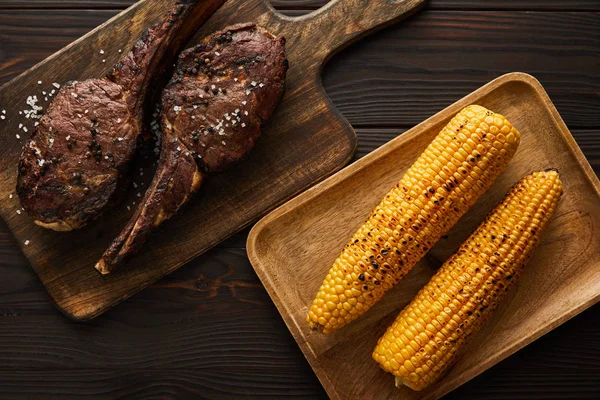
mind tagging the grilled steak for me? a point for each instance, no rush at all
(223, 91)
(74, 165)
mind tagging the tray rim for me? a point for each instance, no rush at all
(348, 171)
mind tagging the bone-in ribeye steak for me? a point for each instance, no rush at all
(223, 91)
(74, 165)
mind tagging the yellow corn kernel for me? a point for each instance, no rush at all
(429, 199)
(514, 228)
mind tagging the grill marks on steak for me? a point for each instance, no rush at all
(223, 91)
(74, 165)
(71, 166)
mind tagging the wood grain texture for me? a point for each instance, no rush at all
(561, 365)
(305, 140)
(467, 50)
(291, 245)
(311, 5)
(406, 73)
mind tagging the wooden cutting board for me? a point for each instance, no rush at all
(292, 248)
(306, 140)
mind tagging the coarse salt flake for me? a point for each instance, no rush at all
(68, 137)
(101, 51)
(56, 85)
(244, 102)
(19, 212)
(10, 196)
(18, 136)
(253, 83)
(39, 82)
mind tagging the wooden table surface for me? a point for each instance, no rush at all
(210, 330)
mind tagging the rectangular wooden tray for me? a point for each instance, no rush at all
(293, 247)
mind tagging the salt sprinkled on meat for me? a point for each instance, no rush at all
(10, 196)
(18, 136)
(26, 243)
(101, 51)
(19, 212)
(56, 85)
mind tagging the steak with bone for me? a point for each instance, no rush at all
(222, 92)
(74, 165)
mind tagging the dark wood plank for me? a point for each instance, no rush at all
(561, 365)
(310, 5)
(224, 338)
(530, 5)
(411, 70)
(406, 73)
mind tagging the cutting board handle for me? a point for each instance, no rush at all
(342, 22)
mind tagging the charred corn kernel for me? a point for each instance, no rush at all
(454, 171)
(495, 254)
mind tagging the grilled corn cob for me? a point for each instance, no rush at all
(459, 165)
(426, 338)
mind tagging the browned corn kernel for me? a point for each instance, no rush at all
(459, 165)
(426, 338)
